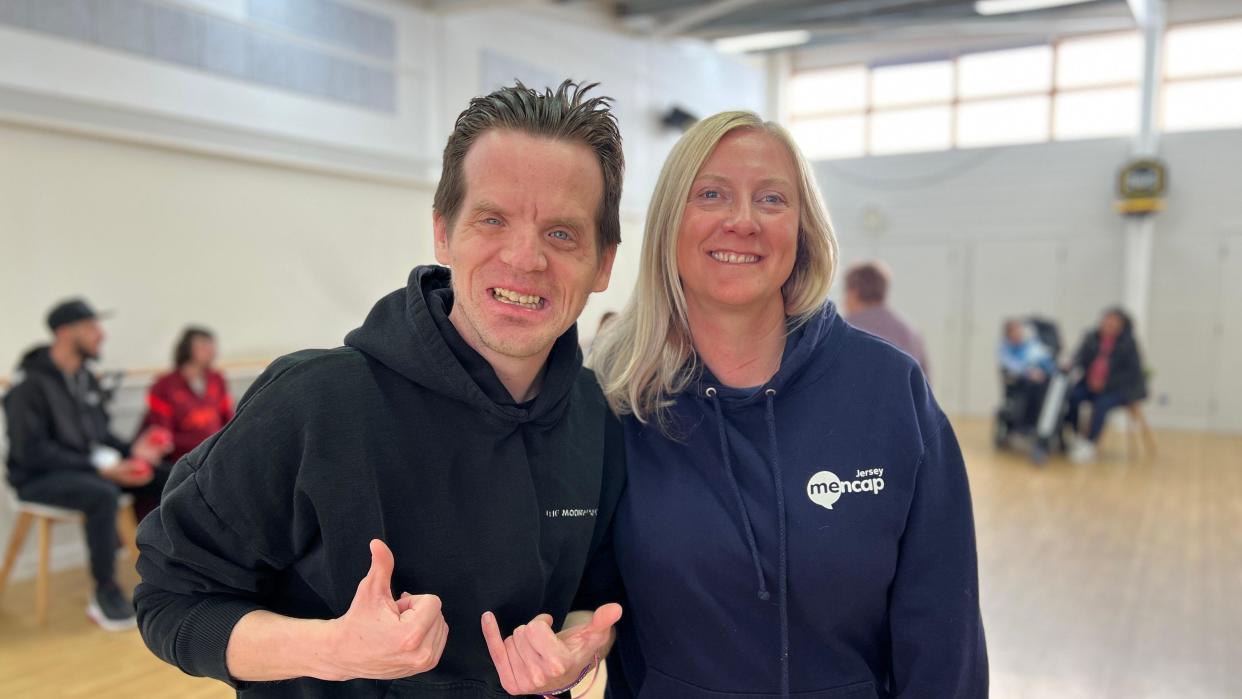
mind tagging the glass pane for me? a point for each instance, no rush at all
(1097, 113)
(1005, 72)
(831, 90)
(1203, 49)
(833, 137)
(997, 122)
(1100, 60)
(907, 130)
(912, 83)
(1203, 104)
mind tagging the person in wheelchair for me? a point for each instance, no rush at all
(1026, 364)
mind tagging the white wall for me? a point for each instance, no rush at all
(173, 196)
(974, 236)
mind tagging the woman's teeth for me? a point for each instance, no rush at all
(734, 258)
(513, 298)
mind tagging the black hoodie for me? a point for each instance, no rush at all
(490, 505)
(50, 428)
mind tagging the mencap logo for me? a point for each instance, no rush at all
(825, 488)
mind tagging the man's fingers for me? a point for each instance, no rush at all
(556, 656)
(422, 616)
(379, 577)
(605, 617)
(545, 618)
(500, 654)
(540, 667)
(521, 671)
(405, 602)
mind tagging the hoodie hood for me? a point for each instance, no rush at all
(401, 333)
(808, 350)
(37, 360)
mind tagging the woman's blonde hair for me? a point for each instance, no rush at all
(646, 356)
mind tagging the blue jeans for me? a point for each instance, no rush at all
(1101, 405)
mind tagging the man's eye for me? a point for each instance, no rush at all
(492, 221)
(561, 235)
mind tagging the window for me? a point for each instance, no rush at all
(1203, 49)
(1011, 72)
(1203, 77)
(830, 137)
(1109, 60)
(908, 130)
(825, 91)
(1203, 104)
(914, 83)
(1080, 87)
(1097, 113)
(997, 122)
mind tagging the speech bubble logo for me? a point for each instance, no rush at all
(824, 489)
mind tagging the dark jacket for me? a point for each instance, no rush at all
(52, 427)
(1125, 365)
(810, 537)
(491, 506)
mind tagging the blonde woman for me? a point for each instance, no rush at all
(797, 520)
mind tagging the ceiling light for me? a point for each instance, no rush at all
(762, 42)
(1004, 7)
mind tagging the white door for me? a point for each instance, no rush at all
(1228, 334)
(1006, 278)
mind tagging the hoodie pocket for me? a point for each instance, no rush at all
(658, 685)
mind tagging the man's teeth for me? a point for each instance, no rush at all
(513, 297)
(734, 258)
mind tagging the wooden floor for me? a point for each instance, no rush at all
(1122, 579)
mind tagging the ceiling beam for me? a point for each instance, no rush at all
(693, 19)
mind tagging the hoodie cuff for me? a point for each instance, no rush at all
(204, 635)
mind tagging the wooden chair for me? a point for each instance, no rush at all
(1136, 429)
(30, 513)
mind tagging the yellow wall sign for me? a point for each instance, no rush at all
(1141, 185)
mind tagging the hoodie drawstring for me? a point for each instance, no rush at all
(779, 482)
(783, 576)
(764, 595)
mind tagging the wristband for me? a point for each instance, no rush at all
(104, 458)
(581, 676)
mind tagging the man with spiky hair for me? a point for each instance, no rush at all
(453, 456)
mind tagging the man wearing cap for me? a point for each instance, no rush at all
(63, 453)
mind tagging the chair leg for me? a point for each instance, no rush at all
(127, 527)
(44, 581)
(20, 529)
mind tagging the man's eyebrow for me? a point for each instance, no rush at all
(485, 206)
(568, 222)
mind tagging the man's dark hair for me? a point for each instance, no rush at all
(185, 345)
(869, 280)
(564, 114)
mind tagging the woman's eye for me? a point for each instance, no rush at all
(772, 199)
(711, 194)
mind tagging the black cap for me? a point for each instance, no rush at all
(71, 311)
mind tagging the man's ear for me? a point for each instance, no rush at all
(605, 269)
(440, 225)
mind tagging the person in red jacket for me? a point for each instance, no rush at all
(192, 401)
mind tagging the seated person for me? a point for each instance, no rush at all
(192, 401)
(63, 453)
(1025, 365)
(1112, 377)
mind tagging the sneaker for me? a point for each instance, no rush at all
(110, 609)
(1083, 452)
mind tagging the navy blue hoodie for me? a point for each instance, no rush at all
(810, 537)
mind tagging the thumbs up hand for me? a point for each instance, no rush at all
(384, 638)
(535, 660)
